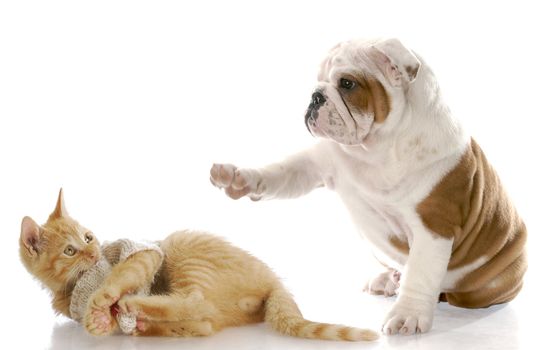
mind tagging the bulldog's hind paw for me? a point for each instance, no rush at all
(387, 284)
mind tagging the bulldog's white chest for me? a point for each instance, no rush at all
(378, 218)
(382, 199)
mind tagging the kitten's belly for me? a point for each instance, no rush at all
(161, 281)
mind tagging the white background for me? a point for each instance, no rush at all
(127, 103)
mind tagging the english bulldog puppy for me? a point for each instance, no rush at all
(416, 185)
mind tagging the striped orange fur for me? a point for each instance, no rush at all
(203, 284)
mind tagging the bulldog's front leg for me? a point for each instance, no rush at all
(291, 178)
(421, 285)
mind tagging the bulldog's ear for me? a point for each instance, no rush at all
(396, 61)
(30, 235)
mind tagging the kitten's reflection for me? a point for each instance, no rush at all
(68, 334)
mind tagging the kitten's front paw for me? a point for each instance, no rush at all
(105, 297)
(129, 304)
(236, 182)
(98, 319)
(409, 316)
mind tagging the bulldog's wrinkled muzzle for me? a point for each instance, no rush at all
(317, 100)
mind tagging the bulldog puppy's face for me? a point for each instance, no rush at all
(360, 84)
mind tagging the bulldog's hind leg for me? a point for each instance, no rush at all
(387, 283)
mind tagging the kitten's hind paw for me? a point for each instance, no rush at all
(98, 322)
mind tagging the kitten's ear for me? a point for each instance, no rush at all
(30, 235)
(60, 211)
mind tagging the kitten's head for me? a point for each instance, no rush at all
(59, 251)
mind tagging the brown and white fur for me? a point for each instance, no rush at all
(416, 185)
(202, 285)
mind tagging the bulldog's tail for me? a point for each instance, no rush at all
(282, 313)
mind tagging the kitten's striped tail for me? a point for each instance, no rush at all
(282, 313)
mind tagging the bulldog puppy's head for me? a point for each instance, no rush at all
(362, 88)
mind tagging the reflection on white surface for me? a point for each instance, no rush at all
(454, 328)
(68, 335)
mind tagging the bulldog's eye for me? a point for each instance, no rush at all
(347, 84)
(69, 250)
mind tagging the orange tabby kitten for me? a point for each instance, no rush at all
(203, 284)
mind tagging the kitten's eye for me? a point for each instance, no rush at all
(347, 84)
(69, 250)
(88, 237)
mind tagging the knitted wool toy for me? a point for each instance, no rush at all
(92, 279)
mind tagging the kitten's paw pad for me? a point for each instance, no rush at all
(98, 322)
(236, 182)
(142, 328)
(99, 319)
(139, 332)
(386, 284)
(405, 319)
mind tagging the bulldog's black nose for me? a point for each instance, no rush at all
(317, 99)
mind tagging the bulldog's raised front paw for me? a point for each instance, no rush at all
(236, 182)
(409, 316)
